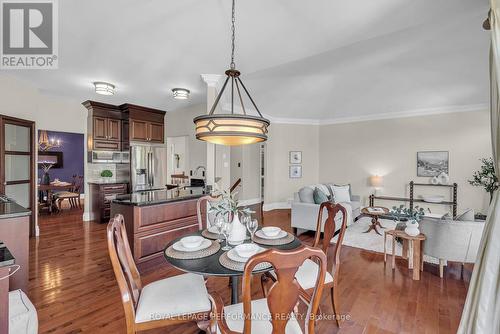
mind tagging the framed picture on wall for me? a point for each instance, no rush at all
(295, 157)
(295, 172)
(432, 163)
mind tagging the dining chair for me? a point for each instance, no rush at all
(179, 179)
(307, 273)
(169, 301)
(274, 313)
(202, 205)
(73, 195)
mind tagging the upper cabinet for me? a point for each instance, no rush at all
(145, 124)
(113, 128)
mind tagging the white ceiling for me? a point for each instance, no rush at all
(322, 59)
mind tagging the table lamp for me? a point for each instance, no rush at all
(376, 182)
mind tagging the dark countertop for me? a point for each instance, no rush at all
(153, 197)
(107, 182)
(6, 258)
(12, 210)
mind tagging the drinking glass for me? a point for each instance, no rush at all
(252, 226)
(219, 222)
(245, 219)
(226, 230)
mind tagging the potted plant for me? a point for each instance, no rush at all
(106, 173)
(414, 217)
(228, 206)
(486, 177)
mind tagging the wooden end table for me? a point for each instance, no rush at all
(415, 244)
(375, 216)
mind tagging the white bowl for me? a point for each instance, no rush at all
(192, 241)
(246, 250)
(271, 231)
(433, 199)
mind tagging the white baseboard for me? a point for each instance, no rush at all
(276, 206)
(87, 216)
(252, 201)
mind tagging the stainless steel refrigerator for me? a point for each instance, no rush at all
(148, 167)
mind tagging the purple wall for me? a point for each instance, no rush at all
(73, 151)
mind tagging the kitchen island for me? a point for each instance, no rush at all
(154, 218)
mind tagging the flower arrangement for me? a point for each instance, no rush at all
(413, 215)
(227, 205)
(486, 177)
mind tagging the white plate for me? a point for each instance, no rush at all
(204, 244)
(433, 199)
(213, 229)
(280, 235)
(233, 255)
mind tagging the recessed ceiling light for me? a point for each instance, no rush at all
(104, 88)
(180, 93)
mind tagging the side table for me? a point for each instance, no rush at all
(416, 246)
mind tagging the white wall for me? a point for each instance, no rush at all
(350, 153)
(282, 139)
(247, 156)
(180, 123)
(20, 99)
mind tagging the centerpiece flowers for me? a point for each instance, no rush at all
(228, 207)
(414, 217)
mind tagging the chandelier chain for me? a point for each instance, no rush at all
(233, 31)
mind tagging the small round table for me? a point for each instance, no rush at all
(375, 215)
(210, 265)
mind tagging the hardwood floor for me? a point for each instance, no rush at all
(74, 290)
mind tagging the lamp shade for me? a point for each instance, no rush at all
(376, 181)
(231, 129)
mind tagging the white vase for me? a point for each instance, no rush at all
(238, 231)
(412, 228)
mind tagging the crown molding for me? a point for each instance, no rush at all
(211, 79)
(382, 116)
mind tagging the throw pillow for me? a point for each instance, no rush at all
(342, 194)
(306, 195)
(319, 196)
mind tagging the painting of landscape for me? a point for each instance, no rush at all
(432, 163)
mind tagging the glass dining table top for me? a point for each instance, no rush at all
(210, 265)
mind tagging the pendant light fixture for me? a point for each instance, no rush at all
(232, 129)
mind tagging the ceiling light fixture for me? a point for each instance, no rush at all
(232, 129)
(181, 93)
(104, 88)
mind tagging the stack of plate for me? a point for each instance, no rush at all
(192, 244)
(243, 252)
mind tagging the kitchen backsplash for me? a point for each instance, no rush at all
(121, 172)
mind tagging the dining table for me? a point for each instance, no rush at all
(50, 189)
(211, 266)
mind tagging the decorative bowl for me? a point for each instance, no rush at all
(433, 199)
(271, 231)
(192, 241)
(246, 250)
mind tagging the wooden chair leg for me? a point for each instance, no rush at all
(59, 204)
(393, 252)
(385, 248)
(335, 300)
(79, 201)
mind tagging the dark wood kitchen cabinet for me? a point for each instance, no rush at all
(104, 126)
(102, 196)
(146, 124)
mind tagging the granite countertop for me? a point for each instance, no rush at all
(12, 210)
(106, 182)
(153, 197)
(6, 258)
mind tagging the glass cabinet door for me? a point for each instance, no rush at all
(17, 171)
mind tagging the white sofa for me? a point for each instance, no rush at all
(451, 240)
(305, 211)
